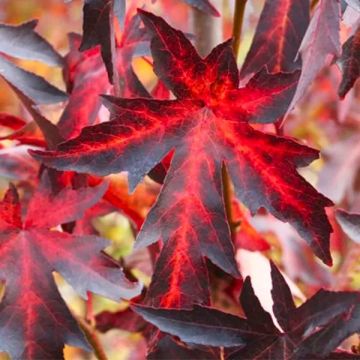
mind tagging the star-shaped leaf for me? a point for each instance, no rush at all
(34, 320)
(208, 126)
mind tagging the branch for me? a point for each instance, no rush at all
(237, 24)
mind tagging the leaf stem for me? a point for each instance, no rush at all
(93, 339)
(313, 4)
(237, 24)
(227, 195)
(115, 77)
(89, 309)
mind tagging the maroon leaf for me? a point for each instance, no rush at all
(278, 36)
(97, 30)
(201, 325)
(126, 320)
(34, 321)
(350, 63)
(189, 215)
(320, 44)
(350, 223)
(167, 349)
(256, 337)
(327, 339)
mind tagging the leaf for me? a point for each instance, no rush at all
(350, 63)
(256, 337)
(23, 42)
(325, 340)
(278, 36)
(32, 86)
(34, 321)
(350, 223)
(86, 77)
(167, 349)
(16, 164)
(201, 325)
(320, 44)
(97, 30)
(11, 121)
(126, 320)
(204, 5)
(189, 215)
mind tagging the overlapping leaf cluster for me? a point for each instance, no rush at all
(204, 126)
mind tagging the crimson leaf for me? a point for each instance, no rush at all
(34, 321)
(207, 126)
(86, 77)
(278, 36)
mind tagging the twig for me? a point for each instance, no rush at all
(115, 77)
(237, 24)
(93, 339)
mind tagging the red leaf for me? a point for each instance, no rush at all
(278, 36)
(207, 126)
(350, 63)
(11, 122)
(86, 78)
(34, 320)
